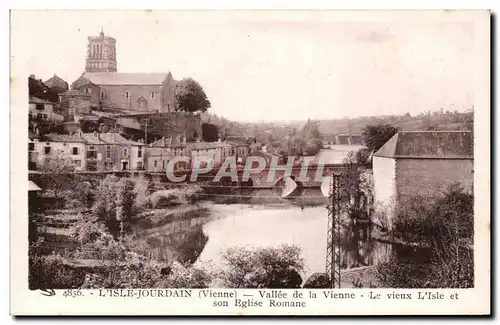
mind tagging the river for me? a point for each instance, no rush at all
(202, 231)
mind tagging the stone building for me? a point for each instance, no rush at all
(57, 84)
(63, 150)
(128, 92)
(73, 102)
(421, 164)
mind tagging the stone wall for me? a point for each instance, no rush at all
(431, 177)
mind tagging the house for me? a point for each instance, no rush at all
(74, 102)
(241, 146)
(217, 151)
(40, 109)
(112, 152)
(144, 92)
(421, 164)
(38, 89)
(160, 152)
(56, 84)
(68, 151)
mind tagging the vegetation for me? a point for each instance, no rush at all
(210, 132)
(306, 141)
(190, 96)
(446, 227)
(375, 136)
(269, 267)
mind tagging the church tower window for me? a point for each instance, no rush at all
(127, 95)
(153, 94)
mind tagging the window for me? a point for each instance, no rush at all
(108, 152)
(127, 95)
(125, 152)
(47, 150)
(44, 116)
(88, 91)
(103, 95)
(75, 151)
(139, 152)
(163, 164)
(31, 147)
(153, 94)
(92, 153)
(168, 107)
(139, 165)
(77, 163)
(40, 107)
(92, 166)
(39, 116)
(156, 163)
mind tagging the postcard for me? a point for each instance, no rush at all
(250, 162)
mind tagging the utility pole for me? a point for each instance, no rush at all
(333, 234)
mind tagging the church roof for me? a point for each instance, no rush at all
(120, 78)
(429, 144)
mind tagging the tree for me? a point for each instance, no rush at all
(190, 96)
(375, 136)
(210, 132)
(57, 170)
(114, 203)
(269, 267)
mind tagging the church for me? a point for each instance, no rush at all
(119, 91)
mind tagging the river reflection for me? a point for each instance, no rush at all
(245, 225)
(200, 232)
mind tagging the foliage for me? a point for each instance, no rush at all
(317, 281)
(268, 267)
(355, 193)
(142, 191)
(46, 270)
(80, 195)
(190, 96)
(375, 136)
(446, 226)
(210, 132)
(195, 276)
(306, 141)
(114, 203)
(56, 170)
(175, 196)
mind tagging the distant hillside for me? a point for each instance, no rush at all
(430, 121)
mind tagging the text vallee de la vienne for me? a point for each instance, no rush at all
(262, 298)
(253, 165)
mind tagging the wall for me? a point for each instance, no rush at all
(47, 109)
(62, 150)
(115, 97)
(71, 105)
(384, 184)
(431, 177)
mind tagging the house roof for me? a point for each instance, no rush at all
(237, 140)
(120, 78)
(36, 100)
(158, 151)
(56, 81)
(207, 145)
(52, 137)
(429, 144)
(107, 138)
(168, 142)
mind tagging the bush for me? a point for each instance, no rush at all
(192, 277)
(317, 281)
(270, 267)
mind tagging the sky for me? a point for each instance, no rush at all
(268, 65)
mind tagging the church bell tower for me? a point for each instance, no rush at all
(101, 54)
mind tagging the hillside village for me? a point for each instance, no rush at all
(107, 123)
